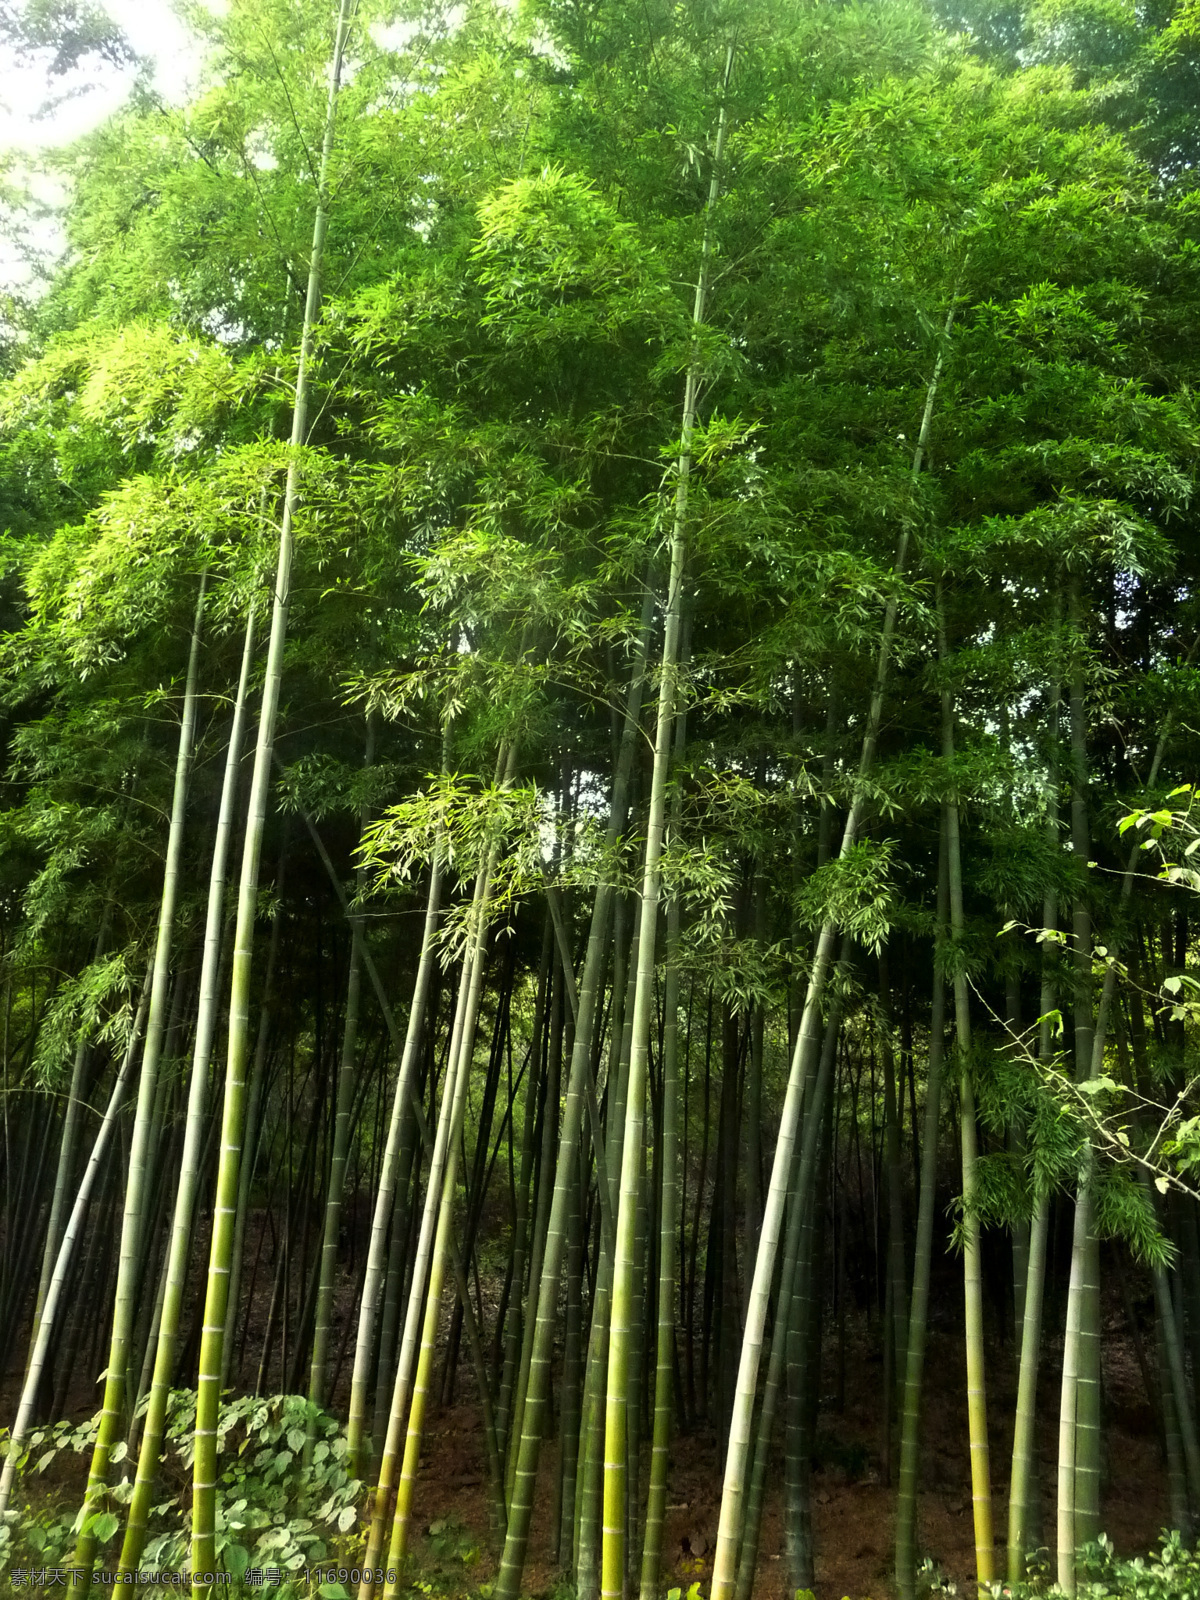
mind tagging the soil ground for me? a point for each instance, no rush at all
(852, 1505)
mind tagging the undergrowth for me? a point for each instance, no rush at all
(280, 1508)
(1170, 1573)
(288, 1523)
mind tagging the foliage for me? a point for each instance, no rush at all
(275, 1508)
(854, 891)
(1170, 1573)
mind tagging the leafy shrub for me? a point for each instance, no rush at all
(1173, 1573)
(283, 1494)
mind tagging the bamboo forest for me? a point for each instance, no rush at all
(599, 761)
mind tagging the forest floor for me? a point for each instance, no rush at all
(852, 1503)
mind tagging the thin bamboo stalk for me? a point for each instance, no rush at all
(981, 1489)
(113, 1406)
(178, 1251)
(514, 1327)
(54, 1293)
(580, 1093)
(621, 1338)
(335, 1187)
(439, 1207)
(1078, 1449)
(590, 1489)
(385, 1197)
(445, 1152)
(894, 1331)
(1022, 1482)
(668, 1212)
(212, 1344)
(802, 1202)
(807, 1046)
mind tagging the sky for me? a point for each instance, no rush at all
(155, 33)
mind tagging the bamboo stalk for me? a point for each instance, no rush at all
(175, 1279)
(439, 1206)
(54, 1292)
(332, 1221)
(789, 1300)
(981, 1490)
(212, 1344)
(805, 1052)
(579, 1087)
(428, 1266)
(385, 1196)
(621, 1345)
(112, 1411)
(664, 1352)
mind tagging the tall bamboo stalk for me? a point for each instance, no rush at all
(1078, 1433)
(918, 1314)
(178, 1252)
(1022, 1481)
(805, 1052)
(212, 1344)
(668, 1211)
(58, 1278)
(544, 1186)
(621, 1347)
(981, 1489)
(1068, 1403)
(580, 1093)
(789, 1301)
(113, 1406)
(590, 1486)
(341, 1136)
(894, 1331)
(513, 1329)
(385, 1197)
